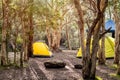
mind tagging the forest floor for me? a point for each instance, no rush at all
(37, 71)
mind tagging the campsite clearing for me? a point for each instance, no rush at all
(37, 71)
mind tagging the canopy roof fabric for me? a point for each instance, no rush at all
(110, 23)
(41, 49)
(109, 48)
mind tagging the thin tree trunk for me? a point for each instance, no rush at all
(24, 21)
(68, 37)
(95, 45)
(101, 52)
(21, 58)
(58, 39)
(31, 31)
(15, 51)
(117, 32)
(25, 31)
(81, 25)
(5, 7)
(54, 40)
(118, 70)
(96, 36)
(48, 34)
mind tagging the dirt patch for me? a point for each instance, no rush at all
(37, 71)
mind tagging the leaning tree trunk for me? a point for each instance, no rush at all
(117, 32)
(96, 37)
(5, 6)
(95, 45)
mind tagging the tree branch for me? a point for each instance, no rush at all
(102, 34)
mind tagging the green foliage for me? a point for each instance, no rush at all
(51, 13)
(19, 39)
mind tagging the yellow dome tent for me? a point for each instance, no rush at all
(41, 49)
(109, 48)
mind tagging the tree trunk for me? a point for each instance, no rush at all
(89, 59)
(25, 27)
(117, 32)
(118, 70)
(31, 31)
(5, 7)
(49, 37)
(54, 39)
(68, 37)
(96, 37)
(101, 52)
(25, 43)
(21, 58)
(59, 38)
(81, 25)
(95, 45)
(24, 20)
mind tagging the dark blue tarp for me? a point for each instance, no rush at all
(110, 23)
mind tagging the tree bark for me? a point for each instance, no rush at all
(95, 45)
(101, 52)
(49, 37)
(24, 20)
(89, 59)
(54, 37)
(118, 70)
(25, 33)
(68, 38)
(31, 30)
(117, 33)
(5, 6)
(81, 25)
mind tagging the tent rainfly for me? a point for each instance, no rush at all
(41, 49)
(109, 48)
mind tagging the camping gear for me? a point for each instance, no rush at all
(41, 49)
(109, 48)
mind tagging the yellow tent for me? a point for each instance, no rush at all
(41, 49)
(109, 48)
